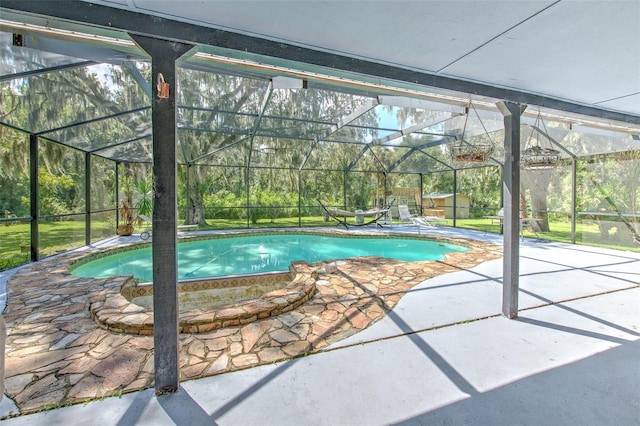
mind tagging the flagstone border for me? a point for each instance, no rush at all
(113, 310)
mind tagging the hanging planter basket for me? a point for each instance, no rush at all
(538, 157)
(464, 151)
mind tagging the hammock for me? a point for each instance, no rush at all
(337, 214)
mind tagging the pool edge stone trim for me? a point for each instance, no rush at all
(91, 255)
(112, 309)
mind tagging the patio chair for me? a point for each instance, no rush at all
(406, 216)
(419, 221)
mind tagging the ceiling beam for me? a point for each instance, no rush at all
(409, 130)
(93, 120)
(396, 163)
(368, 106)
(138, 77)
(153, 26)
(256, 123)
(356, 159)
(32, 73)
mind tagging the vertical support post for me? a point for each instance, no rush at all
(299, 198)
(421, 192)
(455, 196)
(87, 198)
(117, 177)
(574, 197)
(187, 201)
(384, 189)
(34, 197)
(248, 186)
(511, 186)
(165, 270)
(344, 189)
(164, 246)
(502, 189)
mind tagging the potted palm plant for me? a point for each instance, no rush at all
(125, 226)
(144, 204)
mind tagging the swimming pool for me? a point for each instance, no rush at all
(252, 254)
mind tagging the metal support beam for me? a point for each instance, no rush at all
(444, 139)
(299, 198)
(248, 186)
(511, 186)
(34, 196)
(187, 200)
(93, 120)
(117, 178)
(380, 163)
(94, 14)
(344, 189)
(409, 130)
(40, 71)
(87, 198)
(501, 191)
(574, 197)
(553, 141)
(436, 159)
(421, 191)
(165, 269)
(308, 154)
(400, 160)
(384, 189)
(216, 150)
(256, 123)
(138, 77)
(455, 196)
(366, 107)
(356, 158)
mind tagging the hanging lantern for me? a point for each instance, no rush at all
(478, 151)
(535, 156)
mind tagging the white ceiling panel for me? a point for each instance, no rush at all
(628, 103)
(588, 52)
(582, 51)
(426, 35)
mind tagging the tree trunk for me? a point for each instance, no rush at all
(539, 208)
(195, 214)
(195, 210)
(538, 184)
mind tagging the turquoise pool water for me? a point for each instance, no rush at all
(262, 253)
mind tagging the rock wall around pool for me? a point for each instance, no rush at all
(113, 310)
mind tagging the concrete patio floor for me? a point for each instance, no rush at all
(443, 355)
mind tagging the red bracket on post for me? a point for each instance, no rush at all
(163, 88)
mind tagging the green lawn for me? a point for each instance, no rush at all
(64, 235)
(587, 233)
